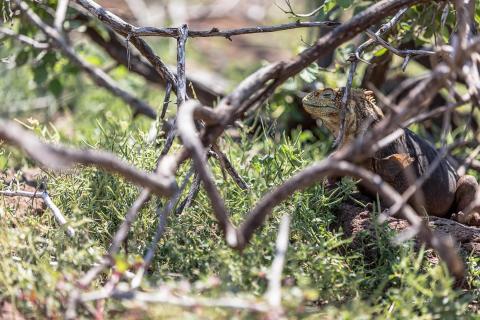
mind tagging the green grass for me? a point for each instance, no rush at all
(323, 273)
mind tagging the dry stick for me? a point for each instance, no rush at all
(154, 127)
(166, 100)
(125, 29)
(120, 25)
(228, 33)
(171, 297)
(186, 129)
(62, 7)
(126, 225)
(116, 49)
(194, 188)
(300, 15)
(406, 54)
(274, 294)
(398, 52)
(162, 222)
(212, 153)
(183, 33)
(181, 85)
(61, 157)
(228, 167)
(24, 39)
(48, 201)
(462, 170)
(345, 99)
(381, 31)
(97, 75)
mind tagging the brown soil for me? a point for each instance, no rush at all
(355, 220)
(24, 180)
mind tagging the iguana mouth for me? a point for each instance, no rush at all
(320, 110)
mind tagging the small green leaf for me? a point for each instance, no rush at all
(380, 52)
(344, 3)
(40, 74)
(22, 57)
(55, 87)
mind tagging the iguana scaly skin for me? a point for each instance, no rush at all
(401, 162)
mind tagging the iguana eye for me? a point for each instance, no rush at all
(327, 94)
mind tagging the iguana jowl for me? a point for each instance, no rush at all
(401, 162)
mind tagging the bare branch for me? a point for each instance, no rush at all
(400, 53)
(48, 201)
(181, 77)
(162, 222)
(167, 297)
(119, 25)
(125, 29)
(274, 294)
(300, 15)
(381, 31)
(97, 75)
(345, 100)
(24, 39)
(215, 32)
(60, 157)
(187, 131)
(227, 166)
(62, 7)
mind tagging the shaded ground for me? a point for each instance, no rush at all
(356, 220)
(24, 180)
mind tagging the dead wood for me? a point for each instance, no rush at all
(354, 220)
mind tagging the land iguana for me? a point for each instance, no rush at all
(401, 162)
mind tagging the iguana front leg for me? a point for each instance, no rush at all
(467, 190)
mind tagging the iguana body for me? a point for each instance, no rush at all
(401, 162)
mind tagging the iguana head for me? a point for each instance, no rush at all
(326, 105)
